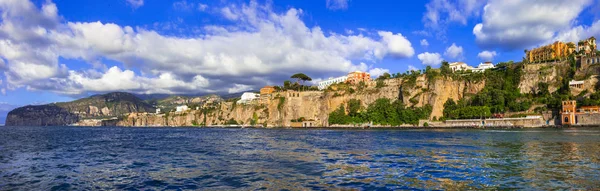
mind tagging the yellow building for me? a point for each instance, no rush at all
(568, 113)
(555, 51)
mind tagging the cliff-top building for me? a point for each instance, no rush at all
(358, 76)
(267, 90)
(459, 66)
(555, 51)
(248, 97)
(352, 77)
(588, 46)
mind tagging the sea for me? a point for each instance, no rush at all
(117, 158)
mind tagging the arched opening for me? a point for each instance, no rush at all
(566, 119)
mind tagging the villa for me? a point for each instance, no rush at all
(326, 83)
(352, 77)
(181, 108)
(247, 97)
(459, 66)
(483, 66)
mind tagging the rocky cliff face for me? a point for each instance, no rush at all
(550, 73)
(43, 115)
(99, 106)
(282, 107)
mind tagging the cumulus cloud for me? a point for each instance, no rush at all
(265, 49)
(487, 55)
(133, 3)
(455, 52)
(579, 33)
(519, 24)
(431, 59)
(441, 13)
(376, 72)
(397, 44)
(337, 4)
(424, 43)
(412, 68)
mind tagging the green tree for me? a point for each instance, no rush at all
(301, 77)
(384, 76)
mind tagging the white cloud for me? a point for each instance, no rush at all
(266, 47)
(183, 5)
(487, 55)
(133, 3)
(397, 44)
(441, 13)
(455, 52)
(237, 88)
(337, 4)
(424, 43)
(431, 59)
(412, 68)
(518, 24)
(228, 14)
(202, 7)
(376, 72)
(3, 91)
(579, 33)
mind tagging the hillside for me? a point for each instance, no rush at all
(94, 107)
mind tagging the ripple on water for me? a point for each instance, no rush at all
(67, 158)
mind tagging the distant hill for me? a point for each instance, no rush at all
(98, 106)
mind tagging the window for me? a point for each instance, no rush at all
(566, 119)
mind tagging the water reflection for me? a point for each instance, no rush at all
(242, 159)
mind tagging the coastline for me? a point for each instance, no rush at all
(354, 127)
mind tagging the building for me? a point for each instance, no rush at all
(576, 84)
(247, 97)
(567, 115)
(267, 90)
(459, 66)
(181, 108)
(326, 83)
(157, 110)
(358, 76)
(483, 66)
(588, 46)
(589, 60)
(555, 51)
(585, 115)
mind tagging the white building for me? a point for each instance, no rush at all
(182, 108)
(483, 66)
(247, 97)
(459, 66)
(326, 83)
(157, 110)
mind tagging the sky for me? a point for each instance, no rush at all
(61, 50)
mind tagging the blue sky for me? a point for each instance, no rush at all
(61, 50)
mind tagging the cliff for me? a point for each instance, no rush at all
(551, 73)
(99, 106)
(280, 108)
(43, 115)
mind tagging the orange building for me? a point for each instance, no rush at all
(567, 116)
(357, 77)
(267, 90)
(554, 51)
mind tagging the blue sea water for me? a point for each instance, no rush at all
(101, 158)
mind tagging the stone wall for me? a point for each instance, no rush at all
(518, 122)
(588, 119)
